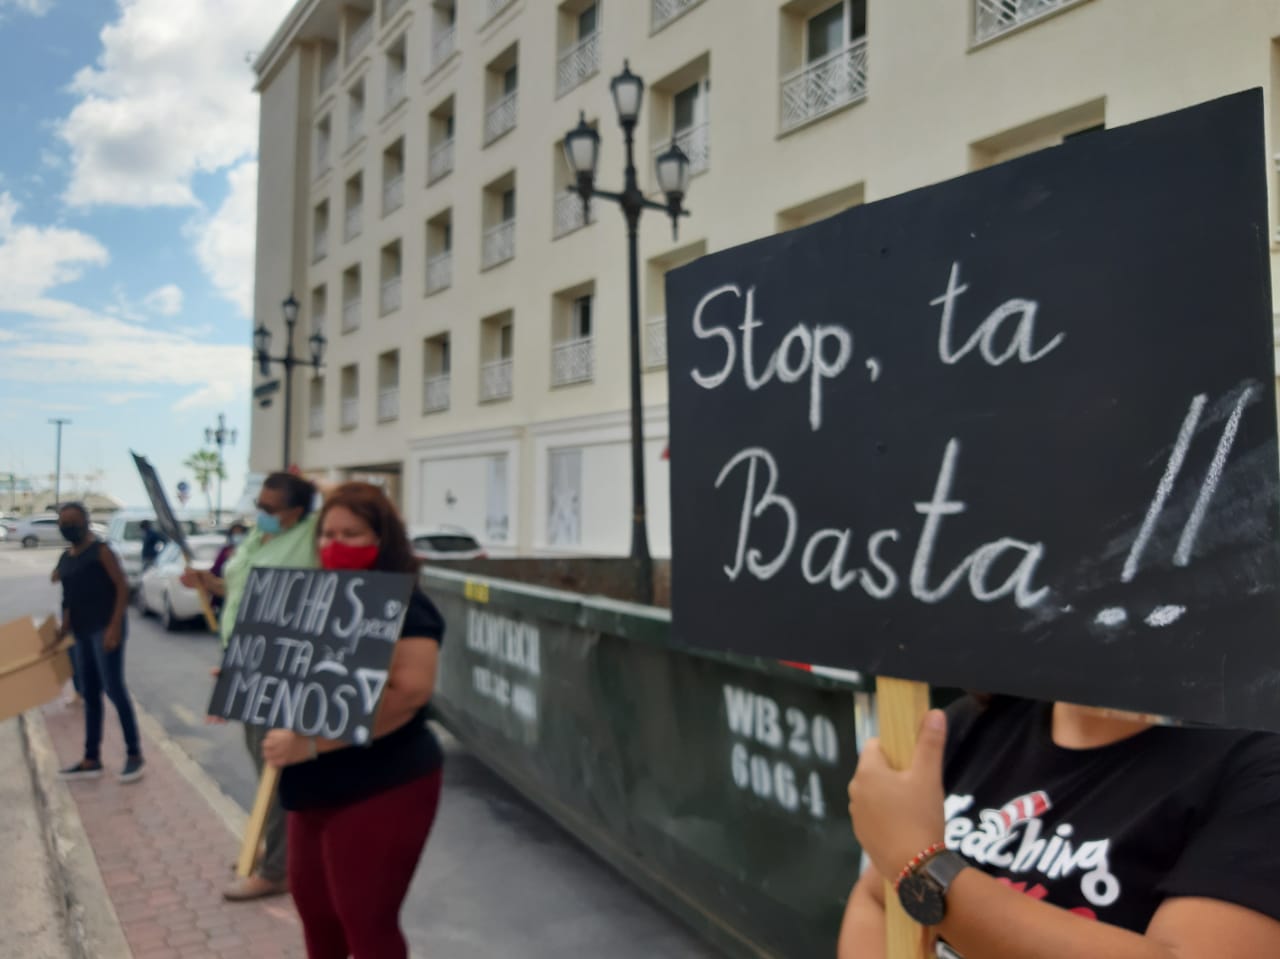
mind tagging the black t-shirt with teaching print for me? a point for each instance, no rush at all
(1110, 833)
(349, 775)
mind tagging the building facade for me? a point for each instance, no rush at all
(412, 196)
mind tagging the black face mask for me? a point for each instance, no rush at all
(72, 534)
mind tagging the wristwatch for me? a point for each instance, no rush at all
(923, 890)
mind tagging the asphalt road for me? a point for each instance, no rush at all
(499, 878)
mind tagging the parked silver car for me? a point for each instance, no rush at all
(124, 534)
(41, 530)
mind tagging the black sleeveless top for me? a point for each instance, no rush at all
(88, 594)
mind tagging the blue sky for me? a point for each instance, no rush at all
(127, 196)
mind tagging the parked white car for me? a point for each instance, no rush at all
(445, 542)
(161, 590)
(40, 530)
(124, 535)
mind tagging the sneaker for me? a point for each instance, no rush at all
(132, 771)
(84, 769)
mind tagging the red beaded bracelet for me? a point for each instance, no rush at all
(916, 862)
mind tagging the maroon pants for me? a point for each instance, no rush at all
(350, 869)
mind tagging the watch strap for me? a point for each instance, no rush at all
(943, 868)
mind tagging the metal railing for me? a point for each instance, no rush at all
(319, 246)
(440, 161)
(825, 85)
(435, 393)
(495, 380)
(389, 404)
(389, 295)
(328, 74)
(390, 8)
(494, 7)
(664, 11)
(351, 315)
(315, 420)
(655, 342)
(568, 213)
(393, 194)
(572, 361)
(355, 126)
(351, 226)
(578, 62)
(994, 17)
(439, 272)
(500, 118)
(359, 39)
(444, 45)
(350, 412)
(499, 244)
(695, 141)
(396, 91)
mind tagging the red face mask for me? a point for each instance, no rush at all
(336, 555)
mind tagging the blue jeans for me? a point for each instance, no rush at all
(104, 671)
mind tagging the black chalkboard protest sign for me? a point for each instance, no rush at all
(310, 651)
(1013, 432)
(165, 519)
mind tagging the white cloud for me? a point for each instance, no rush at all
(35, 259)
(224, 242)
(165, 301)
(37, 8)
(169, 96)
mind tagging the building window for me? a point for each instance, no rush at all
(831, 71)
(355, 113)
(497, 524)
(440, 133)
(991, 18)
(439, 252)
(315, 409)
(573, 347)
(682, 114)
(654, 333)
(397, 62)
(502, 80)
(444, 32)
(324, 143)
(350, 412)
(319, 308)
(354, 192)
(435, 381)
(579, 44)
(496, 362)
(1038, 134)
(351, 298)
(564, 507)
(389, 386)
(392, 268)
(499, 241)
(320, 232)
(393, 177)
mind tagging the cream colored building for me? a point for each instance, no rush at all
(411, 195)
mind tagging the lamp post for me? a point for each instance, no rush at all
(262, 347)
(220, 437)
(582, 151)
(59, 422)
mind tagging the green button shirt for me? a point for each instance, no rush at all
(295, 548)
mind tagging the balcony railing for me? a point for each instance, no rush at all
(440, 161)
(389, 404)
(444, 45)
(350, 412)
(396, 92)
(390, 8)
(319, 246)
(655, 342)
(825, 85)
(351, 315)
(351, 226)
(664, 11)
(572, 361)
(315, 420)
(393, 194)
(500, 118)
(495, 380)
(355, 126)
(328, 74)
(994, 17)
(569, 213)
(494, 7)
(499, 244)
(435, 393)
(695, 141)
(359, 39)
(439, 272)
(580, 61)
(389, 297)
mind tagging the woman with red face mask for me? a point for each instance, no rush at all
(359, 816)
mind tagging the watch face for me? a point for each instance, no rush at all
(922, 899)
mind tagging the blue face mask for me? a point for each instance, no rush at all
(268, 525)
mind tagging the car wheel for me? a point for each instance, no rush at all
(29, 542)
(167, 619)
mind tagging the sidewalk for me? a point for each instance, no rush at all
(162, 847)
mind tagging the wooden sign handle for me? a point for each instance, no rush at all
(257, 820)
(206, 607)
(901, 705)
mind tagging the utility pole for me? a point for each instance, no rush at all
(59, 422)
(220, 437)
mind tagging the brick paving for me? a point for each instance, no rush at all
(165, 855)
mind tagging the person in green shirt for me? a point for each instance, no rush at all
(284, 535)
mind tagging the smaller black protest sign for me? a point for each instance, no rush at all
(311, 649)
(165, 519)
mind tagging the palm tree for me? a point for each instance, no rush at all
(207, 466)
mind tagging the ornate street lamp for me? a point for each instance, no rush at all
(262, 347)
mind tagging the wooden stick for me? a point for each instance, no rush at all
(207, 606)
(257, 821)
(901, 705)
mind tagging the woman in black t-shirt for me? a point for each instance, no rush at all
(359, 816)
(1053, 830)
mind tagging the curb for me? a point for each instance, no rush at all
(94, 928)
